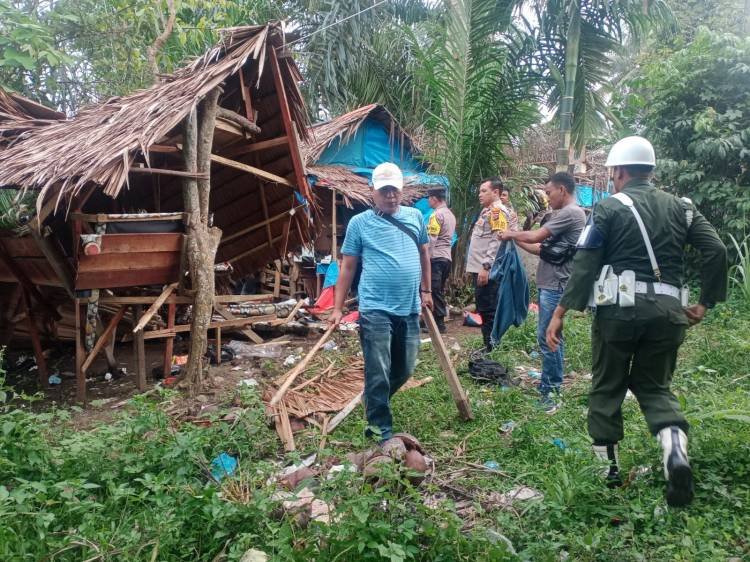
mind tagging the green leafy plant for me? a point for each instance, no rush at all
(740, 272)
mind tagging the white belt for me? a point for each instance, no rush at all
(641, 287)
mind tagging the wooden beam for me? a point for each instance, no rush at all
(129, 217)
(264, 206)
(80, 356)
(41, 363)
(268, 176)
(167, 172)
(139, 352)
(227, 315)
(171, 332)
(57, 260)
(176, 299)
(257, 146)
(258, 225)
(334, 243)
(247, 97)
(103, 339)
(109, 349)
(289, 126)
(254, 250)
(169, 344)
(155, 307)
(459, 396)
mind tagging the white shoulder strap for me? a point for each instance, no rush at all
(628, 202)
(687, 205)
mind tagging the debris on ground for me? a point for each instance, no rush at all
(223, 465)
(517, 494)
(254, 555)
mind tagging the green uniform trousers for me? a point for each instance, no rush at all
(635, 348)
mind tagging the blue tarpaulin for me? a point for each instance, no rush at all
(588, 196)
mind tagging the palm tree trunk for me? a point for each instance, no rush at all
(566, 104)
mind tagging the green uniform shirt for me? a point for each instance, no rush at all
(623, 247)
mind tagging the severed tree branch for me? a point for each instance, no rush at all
(154, 49)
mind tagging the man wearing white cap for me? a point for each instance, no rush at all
(392, 243)
(632, 254)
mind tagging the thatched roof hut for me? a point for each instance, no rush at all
(340, 156)
(124, 155)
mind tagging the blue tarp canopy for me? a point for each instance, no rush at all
(588, 196)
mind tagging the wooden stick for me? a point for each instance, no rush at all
(291, 375)
(287, 437)
(167, 172)
(169, 344)
(293, 312)
(139, 352)
(80, 355)
(459, 396)
(155, 307)
(348, 409)
(324, 431)
(104, 339)
(258, 225)
(268, 176)
(334, 250)
(218, 345)
(41, 363)
(170, 332)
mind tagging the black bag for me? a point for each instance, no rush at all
(487, 371)
(556, 252)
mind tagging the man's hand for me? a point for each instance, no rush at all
(554, 330)
(506, 235)
(482, 279)
(695, 313)
(335, 318)
(427, 300)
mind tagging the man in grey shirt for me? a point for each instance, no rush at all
(560, 233)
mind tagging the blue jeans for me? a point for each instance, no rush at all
(552, 362)
(389, 344)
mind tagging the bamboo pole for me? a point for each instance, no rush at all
(154, 307)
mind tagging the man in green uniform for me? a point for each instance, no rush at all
(635, 241)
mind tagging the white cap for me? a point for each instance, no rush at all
(631, 151)
(387, 175)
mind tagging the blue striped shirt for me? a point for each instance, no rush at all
(391, 270)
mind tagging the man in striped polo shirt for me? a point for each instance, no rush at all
(392, 242)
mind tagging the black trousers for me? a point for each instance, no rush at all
(486, 300)
(440, 269)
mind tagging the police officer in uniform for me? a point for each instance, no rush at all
(640, 232)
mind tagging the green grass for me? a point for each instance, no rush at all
(135, 489)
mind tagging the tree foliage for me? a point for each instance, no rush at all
(694, 105)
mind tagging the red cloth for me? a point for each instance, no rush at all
(324, 302)
(351, 317)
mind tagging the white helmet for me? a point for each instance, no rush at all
(631, 151)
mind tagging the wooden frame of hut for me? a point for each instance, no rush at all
(134, 193)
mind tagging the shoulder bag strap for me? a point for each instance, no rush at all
(628, 202)
(401, 226)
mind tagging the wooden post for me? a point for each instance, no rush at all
(459, 396)
(109, 332)
(334, 241)
(41, 364)
(169, 345)
(218, 345)
(139, 351)
(80, 356)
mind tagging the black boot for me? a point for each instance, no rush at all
(677, 469)
(440, 322)
(608, 454)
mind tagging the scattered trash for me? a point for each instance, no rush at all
(179, 360)
(108, 377)
(244, 350)
(223, 465)
(330, 346)
(320, 512)
(54, 379)
(348, 327)
(492, 465)
(298, 500)
(254, 555)
(226, 354)
(169, 381)
(472, 319)
(559, 443)
(519, 493)
(291, 360)
(237, 368)
(508, 427)
(534, 374)
(291, 481)
(534, 355)
(455, 347)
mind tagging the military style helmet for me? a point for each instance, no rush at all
(631, 151)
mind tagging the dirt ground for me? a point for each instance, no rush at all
(106, 397)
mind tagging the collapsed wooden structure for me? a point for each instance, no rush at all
(110, 227)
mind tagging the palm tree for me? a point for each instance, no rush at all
(477, 100)
(577, 42)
